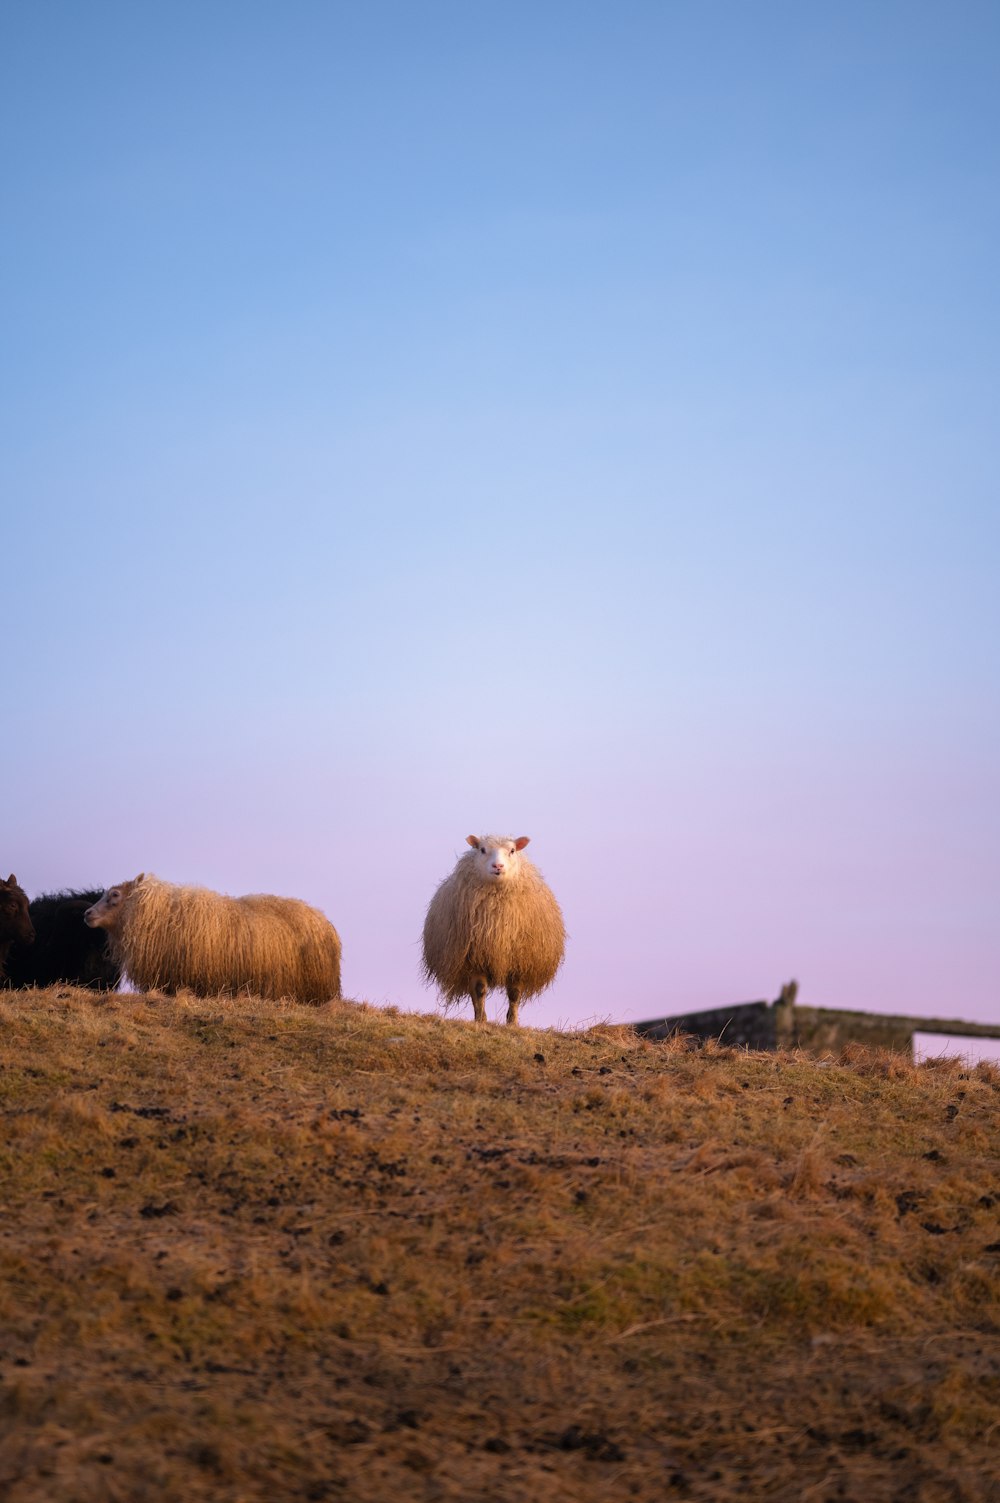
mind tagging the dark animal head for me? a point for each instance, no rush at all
(14, 920)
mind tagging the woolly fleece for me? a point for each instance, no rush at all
(169, 937)
(511, 932)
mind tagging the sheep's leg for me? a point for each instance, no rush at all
(513, 998)
(479, 999)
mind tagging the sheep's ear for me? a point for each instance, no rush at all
(139, 878)
(521, 842)
(12, 880)
(472, 840)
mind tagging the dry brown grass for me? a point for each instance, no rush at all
(263, 1251)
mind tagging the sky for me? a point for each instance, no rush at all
(572, 420)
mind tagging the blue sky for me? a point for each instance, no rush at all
(576, 420)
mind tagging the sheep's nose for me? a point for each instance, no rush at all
(498, 866)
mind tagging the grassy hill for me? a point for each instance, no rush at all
(256, 1251)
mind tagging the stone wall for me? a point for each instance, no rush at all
(822, 1030)
(748, 1024)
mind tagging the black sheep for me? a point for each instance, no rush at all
(15, 923)
(64, 949)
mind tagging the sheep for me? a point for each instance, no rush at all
(493, 923)
(15, 922)
(64, 949)
(167, 938)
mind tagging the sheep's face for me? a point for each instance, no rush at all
(15, 921)
(106, 912)
(498, 857)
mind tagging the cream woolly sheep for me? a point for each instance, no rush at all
(494, 922)
(166, 937)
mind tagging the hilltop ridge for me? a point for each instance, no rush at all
(257, 1251)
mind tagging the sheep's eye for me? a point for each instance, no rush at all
(483, 849)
